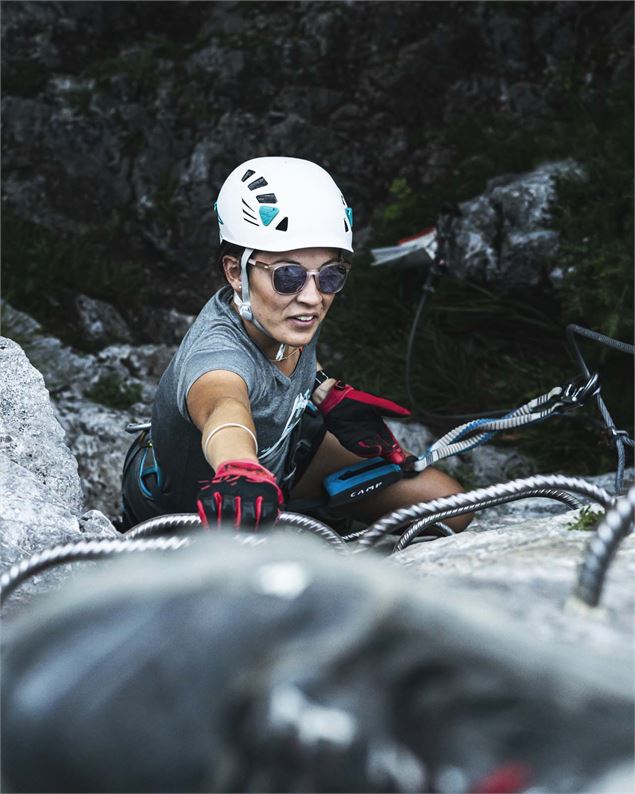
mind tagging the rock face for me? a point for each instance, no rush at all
(124, 120)
(503, 238)
(79, 383)
(31, 436)
(41, 500)
(526, 565)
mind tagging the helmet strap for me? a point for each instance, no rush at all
(244, 304)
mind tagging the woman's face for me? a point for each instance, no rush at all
(292, 319)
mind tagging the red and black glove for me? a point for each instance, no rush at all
(242, 493)
(354, 418)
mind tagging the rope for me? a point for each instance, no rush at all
(614, 527)
(514, 488)
(423, 523)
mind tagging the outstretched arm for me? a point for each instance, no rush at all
(242, 493)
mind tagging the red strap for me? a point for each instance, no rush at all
(340, 391)
(201, 513)
(258, 510)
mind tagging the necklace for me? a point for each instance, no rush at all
(284, 358)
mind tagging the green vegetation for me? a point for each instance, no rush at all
(587, 520)
(24, 78)
(41, 268)
(113, 392)
(139, 64)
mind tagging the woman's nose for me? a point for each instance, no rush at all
(310, 292)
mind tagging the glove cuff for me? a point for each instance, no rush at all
(251, 471)
(242, 466)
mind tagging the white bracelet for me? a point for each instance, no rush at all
(228, 424)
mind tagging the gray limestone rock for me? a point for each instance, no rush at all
(504, 238)
(40, 490)
(527, 567)
(95, 524)
(100, 321)
(31, 435)
(97, 436)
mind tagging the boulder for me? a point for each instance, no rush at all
(504, 237)
(41, 500)
(100, 322)
(31, 435)
(80, 384)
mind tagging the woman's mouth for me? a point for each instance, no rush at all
(303, 320)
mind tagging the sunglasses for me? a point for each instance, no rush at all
(289, 278)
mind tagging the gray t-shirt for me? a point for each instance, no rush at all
(217, 340)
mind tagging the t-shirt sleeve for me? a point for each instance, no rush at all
(199, 362)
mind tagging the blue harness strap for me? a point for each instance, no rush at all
(149, 468)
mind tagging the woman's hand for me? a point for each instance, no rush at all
(354, 418)
(242, 494)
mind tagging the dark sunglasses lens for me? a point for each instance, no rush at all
(288, 279)
(332, 278)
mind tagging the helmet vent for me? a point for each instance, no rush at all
(248, 221)
(246, 205)
(246, 175)
(267, 198)
(249, 215)
(260, 182)
(283, 225)
(345, 225)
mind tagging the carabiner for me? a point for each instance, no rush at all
(578, 390)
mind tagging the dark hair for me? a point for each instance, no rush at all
(227, 249)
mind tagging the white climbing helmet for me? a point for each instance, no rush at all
(283, 203)
(279, 204)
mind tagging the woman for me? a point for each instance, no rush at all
(244, 417)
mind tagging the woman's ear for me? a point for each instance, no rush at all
(231, 268)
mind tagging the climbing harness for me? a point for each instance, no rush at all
(149, 471)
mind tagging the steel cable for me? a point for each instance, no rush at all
(614, 527)
(177, 521)
(352, 536)
(620, 437)
(82, 549)
(514, 488)
(419, 526)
